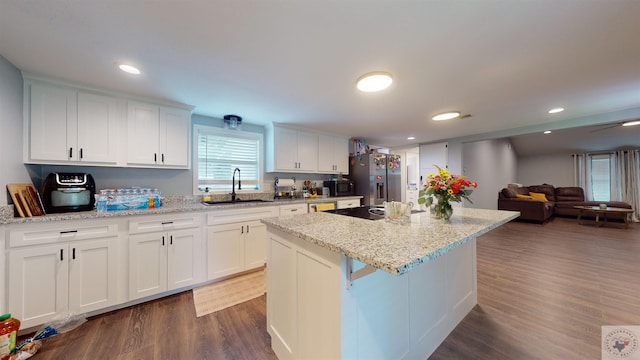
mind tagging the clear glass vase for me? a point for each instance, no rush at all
(442, 208)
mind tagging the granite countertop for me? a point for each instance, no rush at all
(170, 204)
(394, 248)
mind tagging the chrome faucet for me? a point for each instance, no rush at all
(233, 184)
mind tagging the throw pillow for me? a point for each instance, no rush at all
(520, 196)
(538, 196)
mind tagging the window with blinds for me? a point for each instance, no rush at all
(220, 151)
(601, 177)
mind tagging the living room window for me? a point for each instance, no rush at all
(219, 152)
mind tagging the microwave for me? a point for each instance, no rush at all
(340, 187)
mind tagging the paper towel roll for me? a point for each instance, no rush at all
(286, 182)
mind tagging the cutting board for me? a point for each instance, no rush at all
(26, 199)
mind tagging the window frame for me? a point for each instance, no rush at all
(217, 131)
(593, 182)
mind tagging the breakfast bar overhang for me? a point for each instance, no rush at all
(340, 287)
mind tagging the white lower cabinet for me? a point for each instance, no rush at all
(294, 209)
(346, 204)
(236, 247)
(236, 240)
(65, 271)
(161, 261)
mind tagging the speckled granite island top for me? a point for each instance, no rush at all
(393, 248)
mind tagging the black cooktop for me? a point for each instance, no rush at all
(363, 212)
(366, 212)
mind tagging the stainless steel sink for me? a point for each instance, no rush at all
(237, 201)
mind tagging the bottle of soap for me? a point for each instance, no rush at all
(207, 196)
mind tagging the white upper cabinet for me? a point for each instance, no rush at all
(175, 132)
(291, 150)
(67, 126)
(72, 125)
(158, 136)
(294, 150)
(333, 154)
(97, 128)
(53, 122)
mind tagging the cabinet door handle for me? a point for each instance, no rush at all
(163, 241)
(247, 229)
(73, 254)
(70, 152)
(242, 229)
(81, 154)
(155, 157)
(163, 158)
(61, 254)
(171, 240)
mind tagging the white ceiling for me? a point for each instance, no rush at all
(504, 62)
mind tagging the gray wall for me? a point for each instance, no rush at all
(12, 169)
(491, 163)
(556, 169)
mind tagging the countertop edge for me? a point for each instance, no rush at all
(177, 205)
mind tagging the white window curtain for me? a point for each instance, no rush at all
(628, 179)
(582, 173)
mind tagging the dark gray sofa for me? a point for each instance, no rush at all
(560, 201)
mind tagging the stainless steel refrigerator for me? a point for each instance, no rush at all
(376, 177)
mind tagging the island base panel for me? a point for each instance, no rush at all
(311, 313)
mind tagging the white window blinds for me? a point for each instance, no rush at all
(220, 152)
(601, 177)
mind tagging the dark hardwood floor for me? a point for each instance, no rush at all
(544, 291)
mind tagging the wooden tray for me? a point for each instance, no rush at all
(26, 200)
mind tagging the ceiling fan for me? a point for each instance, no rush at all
(624, 123)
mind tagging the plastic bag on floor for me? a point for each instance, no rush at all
(60, 324)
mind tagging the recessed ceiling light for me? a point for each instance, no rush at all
(411, 138)
(374, 81)
(129, 69)
(631, 123)
(446, 116)
(556, 110)
(547, 132)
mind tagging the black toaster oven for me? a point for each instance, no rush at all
(66, 192)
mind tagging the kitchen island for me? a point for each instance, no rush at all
(340, 287)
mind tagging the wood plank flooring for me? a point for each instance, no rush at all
(544, 291)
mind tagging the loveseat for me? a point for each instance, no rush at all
(539, 202)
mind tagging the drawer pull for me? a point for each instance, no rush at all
(292, 210)
(167, 222)
(69, 232)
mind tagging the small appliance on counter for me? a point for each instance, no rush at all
(66, 192)
(284, 188)
(340, 187)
